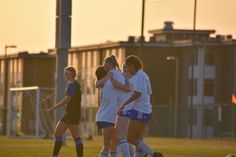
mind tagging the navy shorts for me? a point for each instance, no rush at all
(102, 125)
(70, 119)
(140, 116)
(127, 113)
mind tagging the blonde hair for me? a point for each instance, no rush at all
(71, 70)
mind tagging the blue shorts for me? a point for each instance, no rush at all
(127, 113)
(102, 125)
(140, 116)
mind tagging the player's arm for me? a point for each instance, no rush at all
(63, 102)
(135, 96)
(118, 85)
(101, 82)
(70, 92)
(137, 93)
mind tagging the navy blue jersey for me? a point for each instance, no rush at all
(74, 91)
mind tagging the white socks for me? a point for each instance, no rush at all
(103, 153)
(131, 150)
(139, 152)
(124, 148)
(144, 148)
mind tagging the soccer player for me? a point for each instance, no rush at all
(106, 115)
(115, 96)
(124, 117)
(142, 107)
(121, 83)
(72, 116)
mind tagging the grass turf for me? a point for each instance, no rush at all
(168, 146)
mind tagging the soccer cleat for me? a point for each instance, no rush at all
(157, 154)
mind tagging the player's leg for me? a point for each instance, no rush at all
(58, 133)
(137, 140)
(141, 145)
(114, 142)
(131, 150)
(75, 131)
(107, 133)
(134, 137)
(122, 128)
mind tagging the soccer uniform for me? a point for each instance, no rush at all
(142, 107)
(127, 111)
(73, 107)
(106, 115)
(122, 96)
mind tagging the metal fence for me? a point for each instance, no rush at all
(208, 121)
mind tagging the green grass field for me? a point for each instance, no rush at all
(170, 147)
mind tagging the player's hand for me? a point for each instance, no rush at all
(113, 81)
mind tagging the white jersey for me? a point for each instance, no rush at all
(130, 105)
(108, 103)
(140, 82)
(122, 96)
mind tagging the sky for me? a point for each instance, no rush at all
(30, 24)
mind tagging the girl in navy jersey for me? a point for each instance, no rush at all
(72, 115)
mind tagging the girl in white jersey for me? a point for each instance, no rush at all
(142, 107)
(122, 87)
(105, 117)
(124, 116)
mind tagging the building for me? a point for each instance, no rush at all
(213, 83)
(189, 101)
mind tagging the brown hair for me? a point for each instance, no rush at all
(113, 61)
(135, 61)
(100, 72)
(71, 69)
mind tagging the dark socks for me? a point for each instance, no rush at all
(79, 146)
(57, 145)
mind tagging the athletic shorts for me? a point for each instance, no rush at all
(70, 119)
(140, 116)
(127, 113)
(102, 125)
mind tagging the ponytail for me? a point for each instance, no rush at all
(113, 61)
